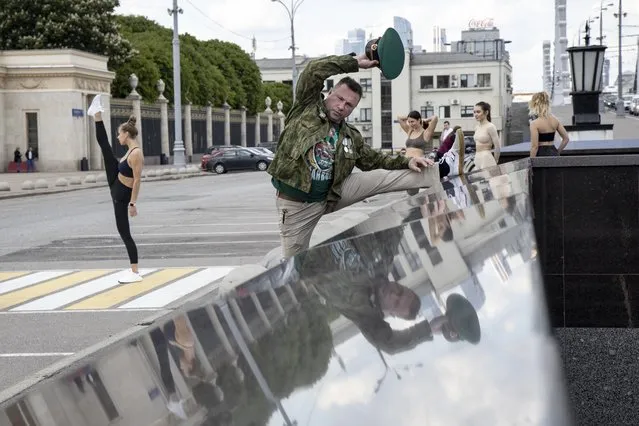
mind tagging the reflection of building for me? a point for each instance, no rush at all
(127, 384)
(405, 31)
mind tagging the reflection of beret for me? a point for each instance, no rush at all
(463, 318)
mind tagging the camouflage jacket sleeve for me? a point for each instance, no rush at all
(369, 159)
(311, 81)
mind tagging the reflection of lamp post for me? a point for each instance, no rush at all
(235, 331)
(587, 66)
(295, 4)
(387, 367)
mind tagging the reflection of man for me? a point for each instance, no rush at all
(352, 275)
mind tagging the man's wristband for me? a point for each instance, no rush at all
(131, 204)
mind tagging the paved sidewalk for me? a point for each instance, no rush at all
(13, 185)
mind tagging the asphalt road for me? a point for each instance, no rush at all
(60, 254)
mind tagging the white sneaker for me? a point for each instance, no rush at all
(129, 276)
(96, 106)
(455, 158)
(177, 408)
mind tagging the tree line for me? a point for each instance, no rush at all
(213, 71)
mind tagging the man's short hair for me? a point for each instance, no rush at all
(351, 84)
(446, 122)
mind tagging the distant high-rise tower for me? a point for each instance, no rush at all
(439, 39)
(547, 70)
(405, 30)
(606, 73)
(342, 47)
(561, 70)
(357, 41)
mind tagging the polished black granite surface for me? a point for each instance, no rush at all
(439, 318)
(587, 228)
(579, 148)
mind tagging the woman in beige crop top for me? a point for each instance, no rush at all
(420, 133)
(486, 138)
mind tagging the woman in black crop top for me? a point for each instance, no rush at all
(543, 128)
(124, 178)
(420, 136)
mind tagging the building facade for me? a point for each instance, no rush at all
(442, 83)
(547, 68)
(43, 98)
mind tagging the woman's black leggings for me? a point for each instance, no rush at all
(120, 194)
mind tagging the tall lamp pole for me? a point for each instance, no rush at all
(295, 4)
(601, 9)
(621, 112)
(179, 158)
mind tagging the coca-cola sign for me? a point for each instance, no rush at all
(476, 24)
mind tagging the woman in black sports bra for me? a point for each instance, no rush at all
(543, 128)
(124, 178)
(420, 133)
(420, 136)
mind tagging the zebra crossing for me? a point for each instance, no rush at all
(99, 289)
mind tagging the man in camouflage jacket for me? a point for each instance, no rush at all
(318, 150)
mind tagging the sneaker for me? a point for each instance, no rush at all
(129, 277)
(456, 159)
(175, 406)
(96, 106)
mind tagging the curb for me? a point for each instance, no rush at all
(27, 193)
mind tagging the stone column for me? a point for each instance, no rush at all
(269, 114)
(4, 148)
(188, 132)
(258, 129)
(164, 119)
(243, 125)
(137, 111)
(281, 115)
(209, 125)
(227, 124)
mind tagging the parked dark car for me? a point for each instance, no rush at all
(238, 159)
(214, 151)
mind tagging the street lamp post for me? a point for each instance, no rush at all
(621, 112)
(179, 158)
(601, 9)
(295, 4)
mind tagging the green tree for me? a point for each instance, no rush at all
(278, 92)
(212, 70)
(87, 25)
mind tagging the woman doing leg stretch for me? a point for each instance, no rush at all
(124, 179)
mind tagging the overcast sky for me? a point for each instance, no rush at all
(319, 24)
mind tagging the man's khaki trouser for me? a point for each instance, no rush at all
(297, 220)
